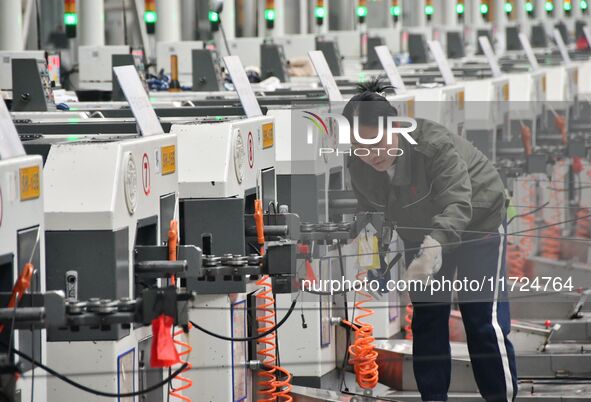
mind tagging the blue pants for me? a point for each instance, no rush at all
(486, 321)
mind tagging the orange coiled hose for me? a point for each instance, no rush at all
(583, 226)
(185, 350)
(550, 243)
(408, 321)
(185, 347)
(270, 388)
(363, 355)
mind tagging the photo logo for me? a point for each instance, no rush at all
(341, 133)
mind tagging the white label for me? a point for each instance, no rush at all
(490, 56)
(561, 47)
(441, 60)
(242, 86)
(533, 62)
(10, 143)
(139, 103)
(390, 67)
(326, 78)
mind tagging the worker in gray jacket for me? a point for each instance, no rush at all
(447, 202)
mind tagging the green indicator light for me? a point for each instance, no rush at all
(549, 6)
(213, 16)
(484, 8)
(72, 138)
(320, 12)
(270, 14)
(567, 6)
(508, 8)
(460, 8)
(150, 17)
(395, 11)
(361, 11)
(429, 10)
(70, 19)
(529, 7)
(584, 5)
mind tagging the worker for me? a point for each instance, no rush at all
(448, 204)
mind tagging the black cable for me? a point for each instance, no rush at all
(84, 388)
(248, 338)
(460, 242)
(348, 330)
(12, 330)
(224, 38)
(533, 211)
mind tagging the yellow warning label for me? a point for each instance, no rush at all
(506, 92)
(168, 159)
(410, 108)
(461, 100)
(29, 183)
(268, 135)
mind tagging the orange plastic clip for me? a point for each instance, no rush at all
(258, 220)
(173, 240)
(526, 139)
(22, 284)
(560, 123)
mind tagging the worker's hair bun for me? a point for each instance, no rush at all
(370, 103)
(375, 85)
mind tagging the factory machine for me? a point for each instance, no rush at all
(97, 237)
(33, 314)
(249, 173)
(224, 167)
(22, 258)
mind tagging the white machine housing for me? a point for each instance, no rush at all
(442, 104)
(296, 45)
(6, 57)
(96, 66)
(248, 49)
(562, 87)
(91, 187)
(527, 94)
(211, 155)
(486, 103)
(222, 163)
(21, 210)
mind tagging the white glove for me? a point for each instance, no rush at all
(426, 263)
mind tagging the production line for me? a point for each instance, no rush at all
(201, 210)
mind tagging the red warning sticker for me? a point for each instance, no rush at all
(250, 150)
(146, 174)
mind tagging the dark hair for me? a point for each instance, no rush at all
(369, 104)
